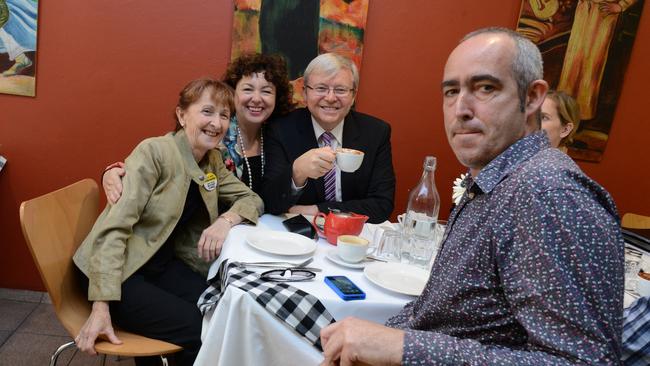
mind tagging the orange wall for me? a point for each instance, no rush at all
(109, 73)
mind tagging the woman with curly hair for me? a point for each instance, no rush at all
(262, 91)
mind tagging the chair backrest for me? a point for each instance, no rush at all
(54, 225)
(634, 221)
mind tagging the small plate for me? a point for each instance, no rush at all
(402, 278)
(281, 243)
(334, 257)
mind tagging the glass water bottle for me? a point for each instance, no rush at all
(421, 218)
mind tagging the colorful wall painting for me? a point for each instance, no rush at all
(586, 46)
(18, 25)
(299, 30)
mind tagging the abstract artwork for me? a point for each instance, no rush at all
(18, 20)
(586, 46)
(299, 30)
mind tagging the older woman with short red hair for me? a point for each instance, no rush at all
(146, 259)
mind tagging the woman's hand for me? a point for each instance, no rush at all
(98, 323)
(112, 184)
(213, 237)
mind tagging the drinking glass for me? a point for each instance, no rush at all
(389, 246)
(441, 225)
(632, 262)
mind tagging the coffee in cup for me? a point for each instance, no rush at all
(348, 160)
(352, 248)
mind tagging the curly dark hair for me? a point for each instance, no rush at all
(275, 71)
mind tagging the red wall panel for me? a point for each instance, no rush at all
(109, 73)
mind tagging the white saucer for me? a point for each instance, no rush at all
(334, 257)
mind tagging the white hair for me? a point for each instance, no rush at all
(329, 64)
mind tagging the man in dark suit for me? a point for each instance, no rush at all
(301, 175)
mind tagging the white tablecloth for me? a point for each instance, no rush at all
(241, 332)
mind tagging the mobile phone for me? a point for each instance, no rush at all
(345, 288)
(300, 225)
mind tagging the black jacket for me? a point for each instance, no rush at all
(369, 191)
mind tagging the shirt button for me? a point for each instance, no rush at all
(470, 195)
(201, 178)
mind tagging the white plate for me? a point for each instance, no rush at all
(334, 257)
(281, 243)
(398, 277)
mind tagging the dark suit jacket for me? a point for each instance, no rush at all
(369, 191)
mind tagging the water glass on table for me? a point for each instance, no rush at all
(632, 262)
(388, 245)
(421, 250)
(441, 226)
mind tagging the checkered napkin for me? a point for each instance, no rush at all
(300, 310)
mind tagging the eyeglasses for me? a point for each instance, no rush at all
(288, 275)
(322, 90)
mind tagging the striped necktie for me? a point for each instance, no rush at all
(330, 178)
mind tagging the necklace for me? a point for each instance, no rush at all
(243, 150)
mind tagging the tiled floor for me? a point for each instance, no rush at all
(30, 333)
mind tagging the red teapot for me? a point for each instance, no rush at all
(339, 223)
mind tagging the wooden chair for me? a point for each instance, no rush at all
(54, 225)
(634, 221)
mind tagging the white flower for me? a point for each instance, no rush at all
(458, 190)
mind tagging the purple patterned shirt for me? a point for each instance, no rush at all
(530, 271)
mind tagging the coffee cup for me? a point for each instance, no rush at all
(400, 219)
(352, 248)
(348, 160)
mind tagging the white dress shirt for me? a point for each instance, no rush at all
(335, 143)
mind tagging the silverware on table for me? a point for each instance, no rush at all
(313, 269)
(276, 264)
(279, 265)
(306, 262)
(375, 258)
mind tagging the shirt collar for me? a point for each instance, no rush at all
(506, 162)
(336, 131)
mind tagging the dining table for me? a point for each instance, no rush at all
(240, 331)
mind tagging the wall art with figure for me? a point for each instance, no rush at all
(299, 30)
(18, 20)
(586, 46)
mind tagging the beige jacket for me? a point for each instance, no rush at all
(158, 175)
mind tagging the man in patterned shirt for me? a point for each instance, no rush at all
(530, 271)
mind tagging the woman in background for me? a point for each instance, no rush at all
(560, 118)
(262, 92)
(146, 258)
